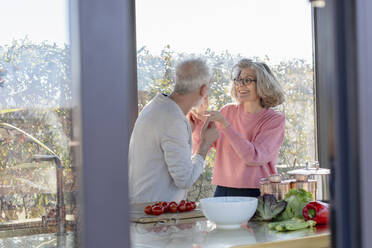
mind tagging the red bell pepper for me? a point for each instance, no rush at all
(317, 211)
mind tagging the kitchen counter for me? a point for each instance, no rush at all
(200, 233)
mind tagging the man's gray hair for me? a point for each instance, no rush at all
(191, 74)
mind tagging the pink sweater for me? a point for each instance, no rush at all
(248, 149)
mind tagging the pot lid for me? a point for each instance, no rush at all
(310, 171)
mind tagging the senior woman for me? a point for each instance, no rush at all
(251, 132)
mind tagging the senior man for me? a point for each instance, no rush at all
(161, 164)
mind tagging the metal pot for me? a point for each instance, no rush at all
(278, 189)
(323, 186)
(318, 175)
(309, 186)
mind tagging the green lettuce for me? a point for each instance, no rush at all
(296, 200)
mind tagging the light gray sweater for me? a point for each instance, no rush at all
(161, 166)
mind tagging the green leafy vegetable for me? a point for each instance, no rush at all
(268, 207)
(291, 224)
(296, 200)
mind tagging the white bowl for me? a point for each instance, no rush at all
(229, 212)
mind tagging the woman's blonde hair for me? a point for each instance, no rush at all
(268, 88)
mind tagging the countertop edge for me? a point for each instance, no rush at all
(319, 241)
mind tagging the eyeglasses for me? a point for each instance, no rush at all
(244, 81)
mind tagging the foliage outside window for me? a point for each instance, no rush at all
(35, 96)
(35, 76)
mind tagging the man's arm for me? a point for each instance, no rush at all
(177, 152)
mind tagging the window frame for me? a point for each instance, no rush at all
(104, 78)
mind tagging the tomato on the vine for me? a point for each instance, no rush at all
(158, 204)
(165, 207)
(189, 206)
(182, 208)
(148, 209)
(173, 207)
(157, 210)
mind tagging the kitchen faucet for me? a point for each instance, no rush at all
(61, 210)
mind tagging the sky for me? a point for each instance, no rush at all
(39, 20)
(280, 29)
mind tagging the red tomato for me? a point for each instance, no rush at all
(157, 210)
(148, 209)
(165, 207)
(193, 205)
(172, 203)
(182, 202)
(173, 208)
(188, 206)
(158, 204)
(181, 208)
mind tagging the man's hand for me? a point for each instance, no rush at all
(208, 135)
(209, 132)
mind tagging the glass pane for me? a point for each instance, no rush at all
(275, 32)
(278, 33)
(37, 168)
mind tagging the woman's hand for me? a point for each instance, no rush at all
(218, 117)
(197, 116)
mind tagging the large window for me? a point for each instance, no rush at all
(277, 32)
(37, 170)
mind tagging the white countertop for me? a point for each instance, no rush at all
(201, 233)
